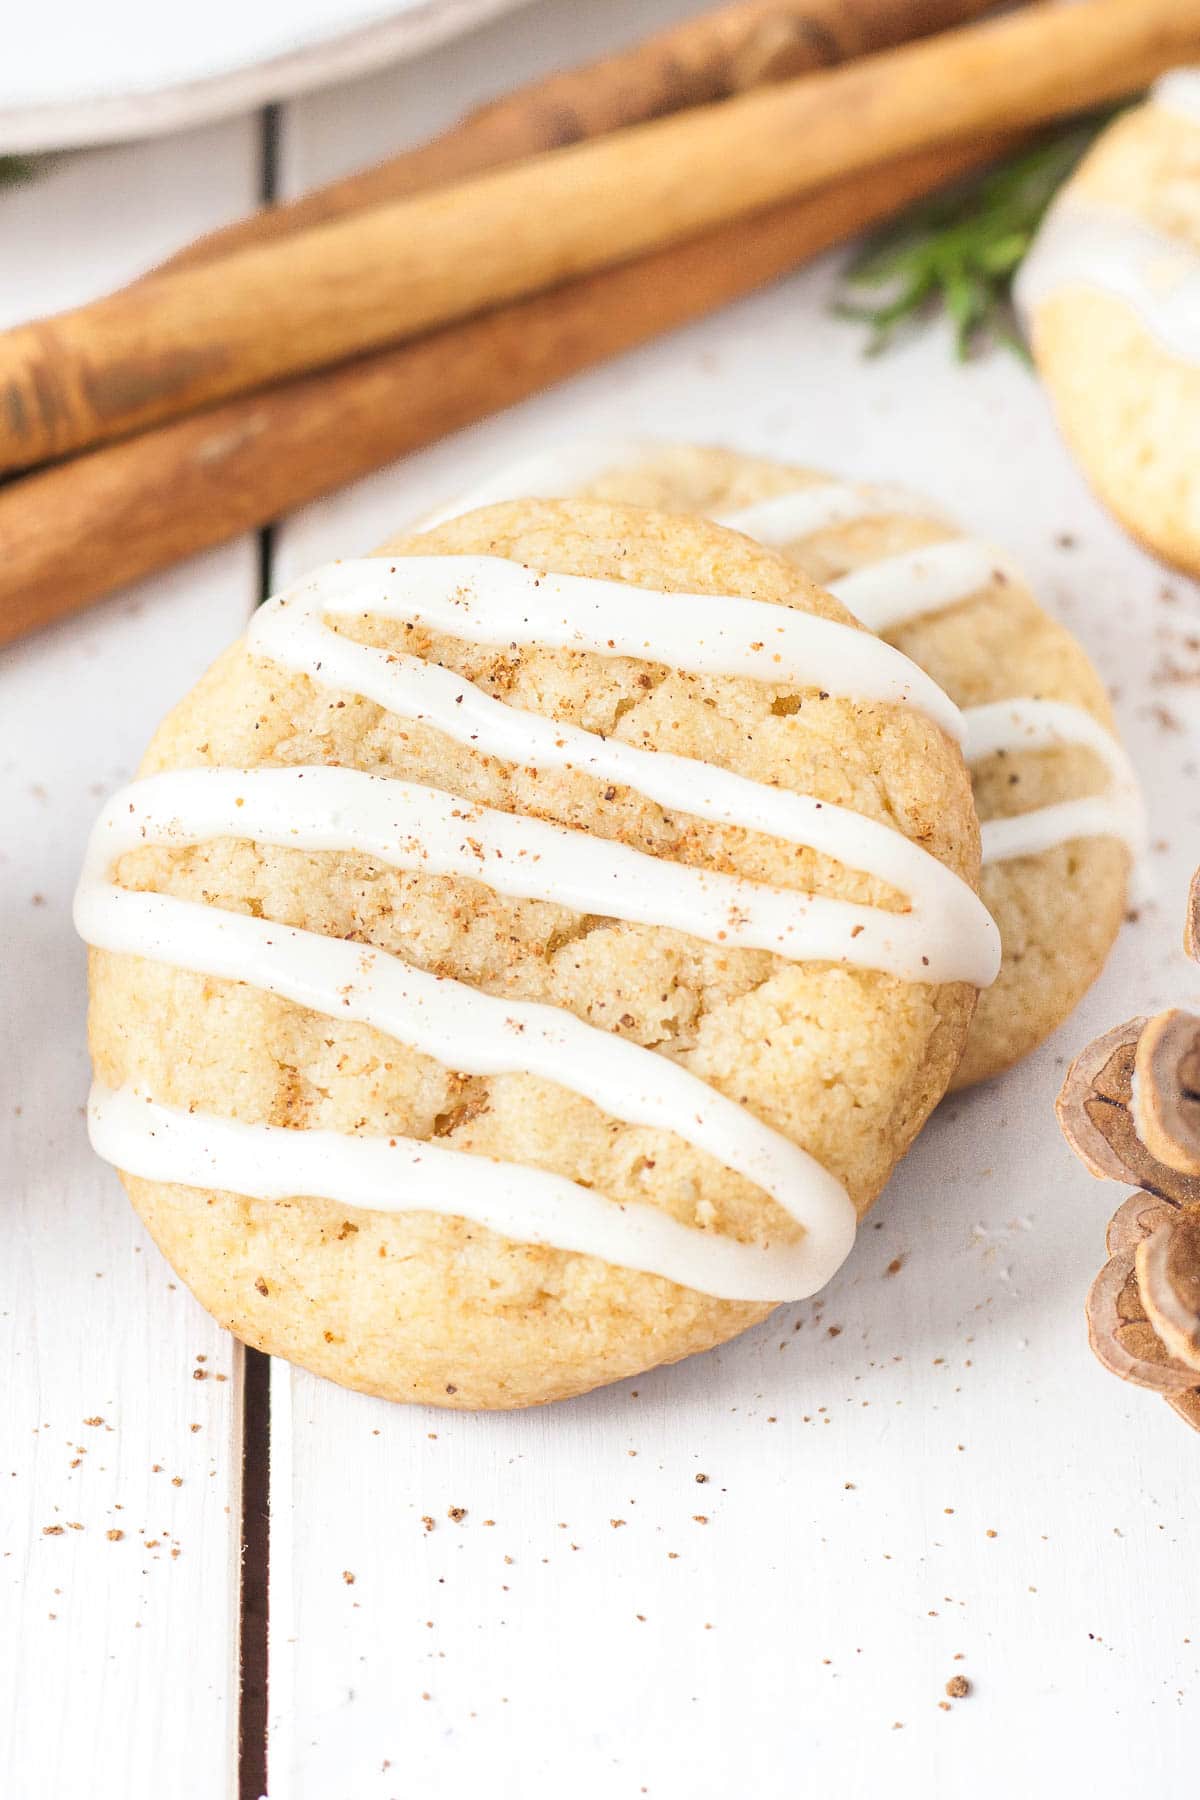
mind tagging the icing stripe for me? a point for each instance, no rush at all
(1083, 244)
(1052, 826)
(887, 594)
(1086, 243)
(934, 578)
(884, 596)
(1178, 91)
(477, 1034)
(546, 475)
(1027, 724)
(289, 630)
(271, 1162)
(470, 1031)
(784, 518)
(412, 827)
(488, 600)
(891, 593)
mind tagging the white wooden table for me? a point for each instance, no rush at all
(917, 1475)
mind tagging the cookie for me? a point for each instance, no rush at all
(1110, 294)
(527, 952)
(1061, 814)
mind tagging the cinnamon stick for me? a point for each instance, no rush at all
(711, 57)
(172, 345)
(81, 529)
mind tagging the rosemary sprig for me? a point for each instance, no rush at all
(958, 253)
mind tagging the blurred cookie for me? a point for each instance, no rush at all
(1110, 293)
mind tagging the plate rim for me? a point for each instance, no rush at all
(145, 113)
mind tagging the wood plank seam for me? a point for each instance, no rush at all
(254, 1607)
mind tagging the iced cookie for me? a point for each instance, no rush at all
(1059, 804)
(1110, 293)
(528, 951)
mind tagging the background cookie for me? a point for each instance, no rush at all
(1054, 790)
(1111, 296)
(201, 1070)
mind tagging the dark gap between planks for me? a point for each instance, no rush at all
(256, 1537)
(256, 1383)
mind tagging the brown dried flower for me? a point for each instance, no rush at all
(1130, 1109)
(1166, 1090)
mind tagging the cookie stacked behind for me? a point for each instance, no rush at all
(1060, 811)
(527, 952)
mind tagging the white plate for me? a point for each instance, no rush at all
(94, 71)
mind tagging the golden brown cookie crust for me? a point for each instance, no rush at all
(1059, 911)
(848, 1063)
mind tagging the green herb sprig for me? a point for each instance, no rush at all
(14, 169)
(959, 252)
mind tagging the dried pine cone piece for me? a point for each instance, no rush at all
(1119, 1328)
(1168, 1274)
(1130, 1109)
(1099, 1119)
(1166, 1090)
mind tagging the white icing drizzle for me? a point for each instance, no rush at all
(1178, 91)
(892, 592)
(552, 474)
(930, 579)
(945, 934)
(489, 600)
(885, 595)
(271, 1162)
(412, 827)
(1084, 244)
(784, 518)
(476, 1034)
(1029, 724)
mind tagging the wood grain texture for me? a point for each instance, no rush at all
(118, 1657)
(859, 1449)
(197, 335)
